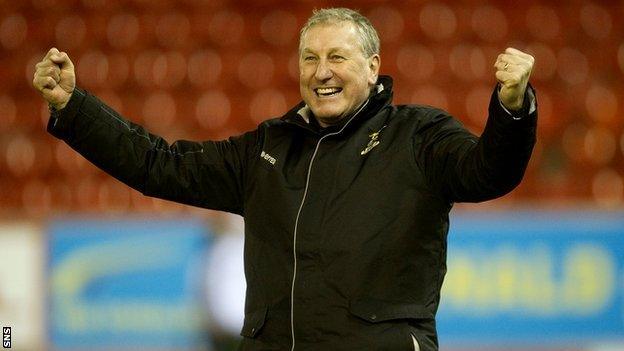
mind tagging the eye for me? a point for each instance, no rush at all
(336, 58)
(309, 58)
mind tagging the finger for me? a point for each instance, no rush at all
(62, 59)
(502, 65)
(516, 52)
(45, 63)
(507, 63)
(48, 83)
(510, 66)
(50, 52)
(508, 79)
(48, 70)
(55, 73)
(43, 82)
(520, 66)
(512, 58)
(513, 51)
(498, 59)
(519, 69)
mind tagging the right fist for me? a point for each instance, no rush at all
(55, 78)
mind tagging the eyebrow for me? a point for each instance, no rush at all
(331, 50)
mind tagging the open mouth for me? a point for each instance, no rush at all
(327, 91)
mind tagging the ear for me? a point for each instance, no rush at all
(373, 64)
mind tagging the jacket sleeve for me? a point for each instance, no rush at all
(463, 167)
(207, 174)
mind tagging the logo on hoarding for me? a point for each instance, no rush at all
(126, 282)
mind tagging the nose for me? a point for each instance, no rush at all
(323, 71)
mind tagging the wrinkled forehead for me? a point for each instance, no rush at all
(332, 34)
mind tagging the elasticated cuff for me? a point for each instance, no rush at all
(60, 121)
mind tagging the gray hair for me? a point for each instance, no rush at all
(369, 40)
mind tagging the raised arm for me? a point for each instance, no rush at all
(208, 174)
(464, 167)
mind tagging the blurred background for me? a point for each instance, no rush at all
(89, 263)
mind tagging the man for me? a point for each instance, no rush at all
(345, 198)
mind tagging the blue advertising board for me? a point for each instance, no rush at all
(126, 284)
(534, 278)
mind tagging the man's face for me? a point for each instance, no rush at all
(335, 77)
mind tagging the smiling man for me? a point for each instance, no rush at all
(336, 71)
(346, 197)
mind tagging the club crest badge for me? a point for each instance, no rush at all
(374, 141)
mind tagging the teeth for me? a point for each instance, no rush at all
(327, 91)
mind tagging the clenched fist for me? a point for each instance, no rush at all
(513, 68)
(55, 78)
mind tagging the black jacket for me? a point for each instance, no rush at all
(367, 213)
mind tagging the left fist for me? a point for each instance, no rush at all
(513, 68)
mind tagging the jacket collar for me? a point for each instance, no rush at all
(301, 115)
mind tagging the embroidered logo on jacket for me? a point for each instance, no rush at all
(268, 157)
(374, 141)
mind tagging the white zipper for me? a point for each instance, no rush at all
(305, 193)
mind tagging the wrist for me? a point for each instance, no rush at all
(58, 105)
(516, 106)
(61, 106)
